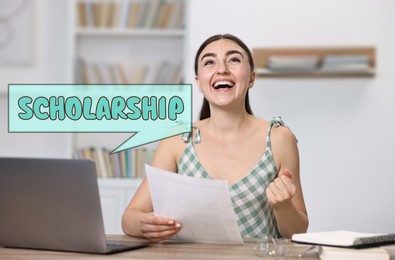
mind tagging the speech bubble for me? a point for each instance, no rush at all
(151, 112)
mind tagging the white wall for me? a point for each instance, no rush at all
(51, 65)
(345, 127)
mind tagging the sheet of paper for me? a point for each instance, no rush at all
(203, 206)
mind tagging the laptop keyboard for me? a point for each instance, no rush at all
(113, 247)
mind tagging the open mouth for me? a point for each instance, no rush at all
(223, 84)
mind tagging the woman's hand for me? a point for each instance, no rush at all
(281, 190)
(156, 229)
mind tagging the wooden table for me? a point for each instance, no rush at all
(163, 250)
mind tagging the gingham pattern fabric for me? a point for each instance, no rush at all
(255, 217)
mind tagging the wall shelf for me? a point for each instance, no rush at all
(350, 61)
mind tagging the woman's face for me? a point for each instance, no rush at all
(224, 74)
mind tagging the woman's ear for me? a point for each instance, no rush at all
(252, 79)
(198, 82)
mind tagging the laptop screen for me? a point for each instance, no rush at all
(50, 204)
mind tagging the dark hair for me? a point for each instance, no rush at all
(205, 110)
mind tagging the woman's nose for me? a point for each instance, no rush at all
(222, 68)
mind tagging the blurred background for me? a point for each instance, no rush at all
(344, 120)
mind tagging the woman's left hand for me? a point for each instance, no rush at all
(281, 190)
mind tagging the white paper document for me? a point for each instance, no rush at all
(203, 206)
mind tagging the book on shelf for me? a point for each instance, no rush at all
(178, 74)
(153, 73)
(138, 74)
(142, 16)
(82, 15)
(114, 20)
(347, 68)
(177, 15)
(126, 164)
(105, 13)
(165, 71)
(162, 21)
(95, 11)
(99, 158)
(152, 13)
(122, 77)
(346, 63)
(343, 238)
(341, 59)
(132, 14)
(292, 63)
(114, 74)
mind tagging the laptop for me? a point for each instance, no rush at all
(53, 204)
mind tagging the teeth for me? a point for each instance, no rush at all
(223, 83)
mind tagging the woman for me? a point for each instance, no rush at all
(260, 162)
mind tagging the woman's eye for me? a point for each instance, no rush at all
(234, 59)
(208, 62)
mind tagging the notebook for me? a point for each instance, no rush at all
(53, 204)
(340, 253)
(343, 238)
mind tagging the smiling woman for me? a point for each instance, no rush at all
(205, 110)
(259, 159)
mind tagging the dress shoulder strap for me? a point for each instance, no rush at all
(187, 137)
(276, 121)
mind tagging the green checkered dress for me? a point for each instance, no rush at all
(255, 217)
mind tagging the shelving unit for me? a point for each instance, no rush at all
(105, 40)
(115, 51)
(348, 61)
